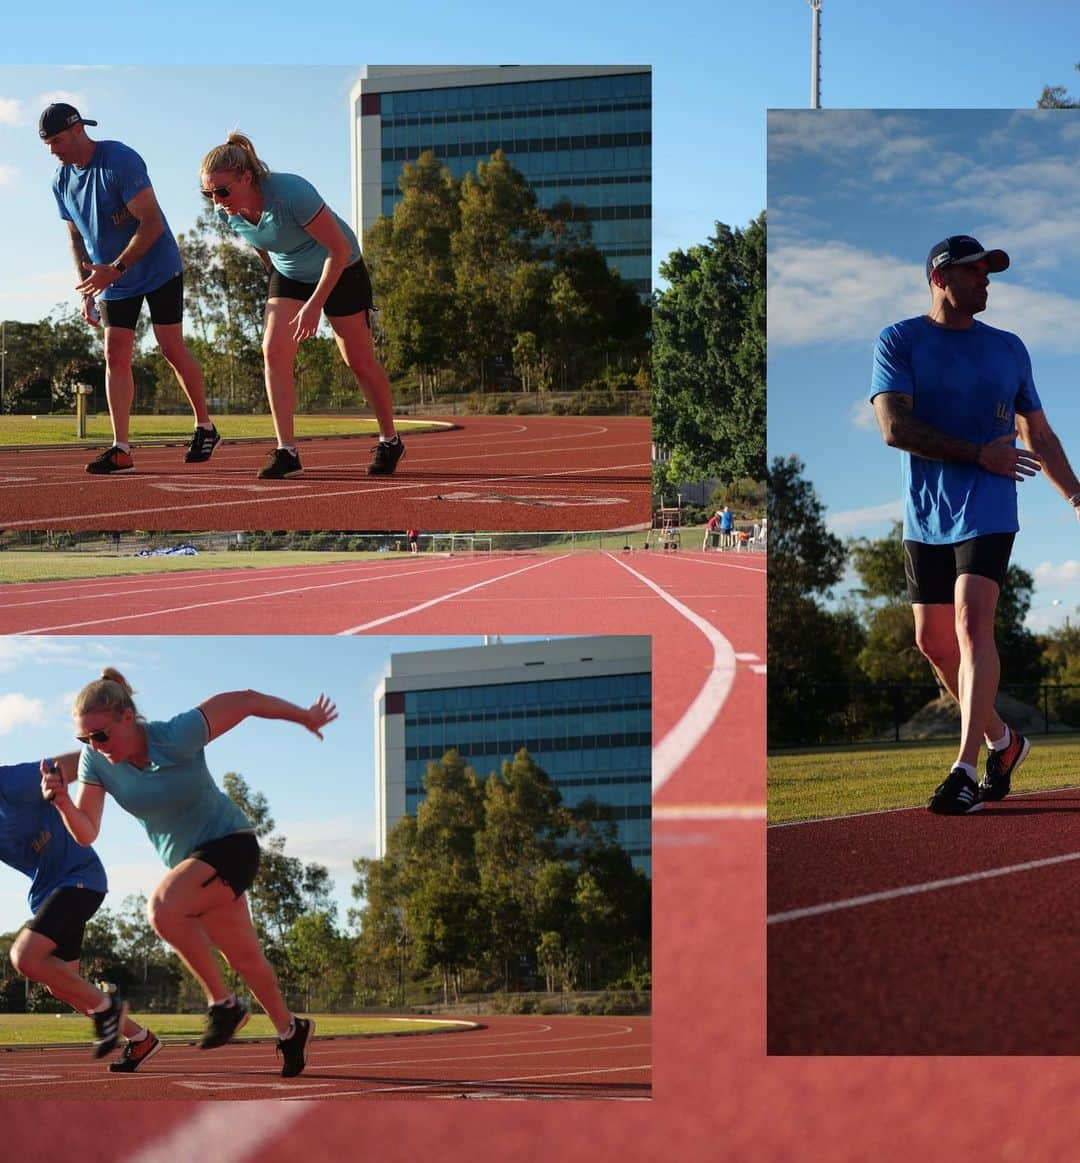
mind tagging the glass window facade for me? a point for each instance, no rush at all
(593, 737)
(586, 139)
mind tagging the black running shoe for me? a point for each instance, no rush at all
(282, 464)
(222, 1022)
(135, 1054)
(958, 795)
(110, 462)
(385, 456)
(107, 1026)
(294, 1050)
(203, 443)
(1000, 765)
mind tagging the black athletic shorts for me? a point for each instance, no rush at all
(932, 570)
(166, 306)
(234, 859)
(62, 918)
(350, 296)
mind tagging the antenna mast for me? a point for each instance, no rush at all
(815, 55)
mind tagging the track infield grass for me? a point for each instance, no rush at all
(75, 1029)
(841, 781)
(35, 431)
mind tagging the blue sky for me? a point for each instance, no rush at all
(186, 79)
(856, 199)
(321, 795)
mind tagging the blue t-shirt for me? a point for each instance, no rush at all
(175, 796)
(34, 841)
(727, 520)
(289, 204)
(95, 198)
(969, 384)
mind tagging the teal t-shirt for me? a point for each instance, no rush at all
(289, 204)
(969, 384)
(175, 796)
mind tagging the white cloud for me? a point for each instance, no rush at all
(861, 415)
(9, 176)
(335, 843)
(856, 522)
(17, 710)
(835, 293)
(1048, 573)
(11, 111)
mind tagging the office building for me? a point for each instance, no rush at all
(582, 707)
(575, 132)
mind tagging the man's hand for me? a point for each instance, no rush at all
(1000, 457)
(101, 276)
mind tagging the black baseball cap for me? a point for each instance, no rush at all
(59, 117)
(962, 248)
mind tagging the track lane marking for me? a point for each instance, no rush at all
(675, 748)
(214, 1132)
(234, 600)
(917, 889)
(443, 598)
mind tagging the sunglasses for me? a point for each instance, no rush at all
(94, 736)
(217, 191)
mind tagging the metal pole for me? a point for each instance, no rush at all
(3, 361)
(815, 55)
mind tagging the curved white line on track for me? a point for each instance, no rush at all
(443, 598)
(916, 889)
(675, 747)
(217, 1133)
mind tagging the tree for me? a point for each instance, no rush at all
(285, 888)
(522, 823)
(811, 650)
(412, 272)
(1057, 97)
(709, 358)
(500, 225)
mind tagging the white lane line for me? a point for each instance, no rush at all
(215, 1133)
(916, 889)
(235, 600)
(672, 751)
(680, 812)
(536, 479)
(443, 598)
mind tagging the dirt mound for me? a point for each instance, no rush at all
(941, 717)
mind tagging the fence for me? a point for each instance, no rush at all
(809, 714)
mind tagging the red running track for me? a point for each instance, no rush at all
(706, 616)
(489, 472)
(908, 933)
(504, 1057)
(705, 613)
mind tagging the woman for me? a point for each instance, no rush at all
(315, 266)
(67, 886)
(157, 772)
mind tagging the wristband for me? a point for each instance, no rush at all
(119, 267)
(1074, 500)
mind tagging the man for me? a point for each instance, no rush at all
(67, 886)
(124, 252)
(952, 393)
(727, 527)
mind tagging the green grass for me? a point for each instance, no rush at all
(808, 785)
(23, 431)
(74, 1029)
(32, 566)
